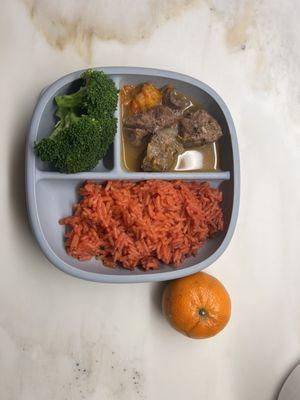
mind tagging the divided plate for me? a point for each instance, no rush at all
(50, 194)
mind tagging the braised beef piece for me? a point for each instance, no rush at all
(174, 99)
(140, 125)
(162, 150)
(198, 128)
(151, 120)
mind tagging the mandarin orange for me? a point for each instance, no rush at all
(197, 306)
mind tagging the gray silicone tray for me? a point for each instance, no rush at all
(50, 195)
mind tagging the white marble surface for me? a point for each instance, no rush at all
(62, 338)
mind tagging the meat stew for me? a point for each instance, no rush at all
(175, 135)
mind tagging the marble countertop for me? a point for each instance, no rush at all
(62, 338)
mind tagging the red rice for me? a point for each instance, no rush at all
(143, 224)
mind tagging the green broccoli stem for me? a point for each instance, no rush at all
(69, 110)
(66, 118)
(72, 101)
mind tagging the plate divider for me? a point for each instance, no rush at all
(114, 175)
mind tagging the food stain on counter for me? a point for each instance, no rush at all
(70, 369)
(124, 380)
(76, 25)
(260, 29)
(237, 34)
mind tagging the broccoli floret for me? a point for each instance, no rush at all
(97, 98)
(77, 146)
(86, 126)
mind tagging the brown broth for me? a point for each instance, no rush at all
(132, 156)
(205, 158)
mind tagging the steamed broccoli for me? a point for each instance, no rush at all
(78, 146)
(97, 98)
(86, 126)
